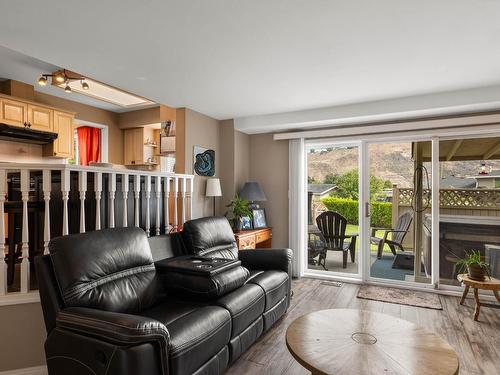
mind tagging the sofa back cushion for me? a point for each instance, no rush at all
(110, 269)
(211, 237)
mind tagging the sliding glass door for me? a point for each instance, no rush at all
(333, 202)
(403, 210)
(400, 211)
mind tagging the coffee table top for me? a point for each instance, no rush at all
(344, 341)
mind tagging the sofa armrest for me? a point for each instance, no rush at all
(117, 328)
(267, 259)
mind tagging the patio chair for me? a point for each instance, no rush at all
(398, 235)
(333, 226)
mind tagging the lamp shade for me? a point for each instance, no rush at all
(252, 192)
(213, 188)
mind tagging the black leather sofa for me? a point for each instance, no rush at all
(107, 310)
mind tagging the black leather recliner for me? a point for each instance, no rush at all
(107, 312)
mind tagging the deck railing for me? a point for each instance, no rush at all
(157, 202)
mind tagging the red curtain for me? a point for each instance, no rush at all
(89, 144)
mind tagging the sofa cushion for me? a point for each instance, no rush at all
(211, 237)
(245, 305)
(274, 284)
(197, 332)
(110, 269)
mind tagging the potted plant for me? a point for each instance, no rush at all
(237, 209)
(477, 268)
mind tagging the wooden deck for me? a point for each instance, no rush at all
(476, 343)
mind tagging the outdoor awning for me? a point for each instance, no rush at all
(463, 149)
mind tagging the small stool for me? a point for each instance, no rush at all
(488, 284)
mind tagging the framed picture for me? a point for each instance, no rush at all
(204, 161)
(246, 223)
(259, 218)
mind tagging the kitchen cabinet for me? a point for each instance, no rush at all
(41, 118)
(62, 147)
(13, 112)
(140, 146)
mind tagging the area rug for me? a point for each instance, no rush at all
(400, 296)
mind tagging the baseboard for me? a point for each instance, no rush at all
(37, 370)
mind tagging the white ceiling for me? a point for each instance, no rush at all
(237, 58)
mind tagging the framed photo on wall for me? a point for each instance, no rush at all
(259, 218)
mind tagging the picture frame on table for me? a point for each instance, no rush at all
(259, 218)
(246, 223)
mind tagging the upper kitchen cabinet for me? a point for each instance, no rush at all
(62, 147)
(13, 112)
(40, 118)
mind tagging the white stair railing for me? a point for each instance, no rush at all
(38, 186)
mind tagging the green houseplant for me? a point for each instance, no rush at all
(477, 268)
(237, 208)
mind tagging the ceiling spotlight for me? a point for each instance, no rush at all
(60, 77)
(67, 88)
(85, 85)
(42, 81)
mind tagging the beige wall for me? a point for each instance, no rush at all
(22, 336)
(269, 167)
(227, 170)
(201, 130)
(87, 113)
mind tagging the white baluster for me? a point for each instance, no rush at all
(47, 187)
(125, 199)
(191, 190)
(176, 198)
(98, 195)
(183, 194)
(112, 194)
(82, 188)
(147, 188)
(137, 196)
(158, 198)
(65, 187)
(25, 188)
(166, 204)
(3, 265)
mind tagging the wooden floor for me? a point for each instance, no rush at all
(477, 343)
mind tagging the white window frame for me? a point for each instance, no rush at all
(104, 138)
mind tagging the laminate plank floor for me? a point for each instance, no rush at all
(477, 344)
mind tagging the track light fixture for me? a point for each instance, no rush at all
(62, 76)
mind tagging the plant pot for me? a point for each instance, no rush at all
(476, 272)
(237, 224)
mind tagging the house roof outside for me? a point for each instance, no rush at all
(320, 189)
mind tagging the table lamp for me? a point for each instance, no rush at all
(253, 193)
(213, 189)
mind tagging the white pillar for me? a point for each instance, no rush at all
(112, 194)
(166, 205)
(98, 195)
(25, 187)
(147, 188)
(158, 198)
(176, 198)
(82, 188)
(191, 191)
(65, 187)
(137, 196)
(3, 265)
(183, 194)
(47, 187)
(125, 199)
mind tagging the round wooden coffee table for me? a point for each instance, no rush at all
(343, 341)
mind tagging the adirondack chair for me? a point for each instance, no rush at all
(333, 226)
(398, 235)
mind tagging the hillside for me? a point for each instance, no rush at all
(388, 161)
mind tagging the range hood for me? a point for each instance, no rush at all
(26, 135)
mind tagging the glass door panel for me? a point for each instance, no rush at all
(469, 190)
(333, 209)
(400, 211)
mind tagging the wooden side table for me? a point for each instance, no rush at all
(488, 284)
(255, 238)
